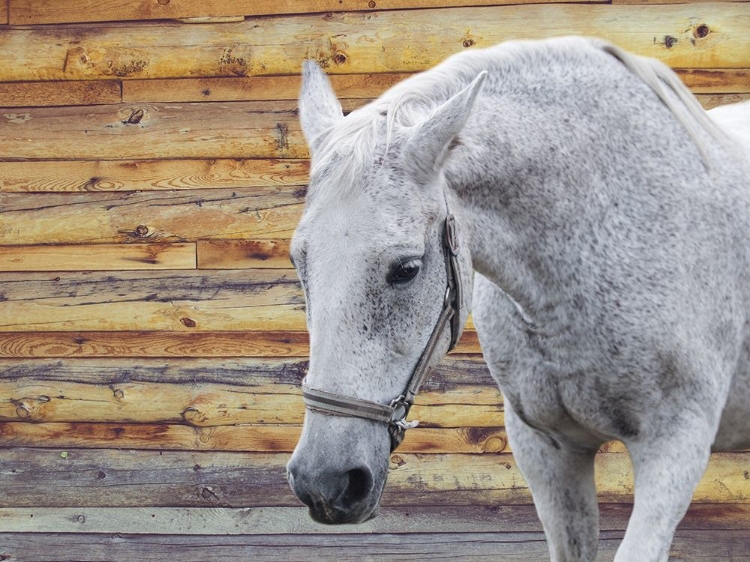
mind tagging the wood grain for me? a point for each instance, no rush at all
(3, 11)
(197, 301)
(709, 101)
(148, 217)
(59, 11)
(184, 301)
(251, 88)
(139, 344)
(689, 546)
(264, 438)
(148, 131)
(46, 94)
(101, 257)
(243, 254)
(208, 393)
(295, 520)
(716, 80)
(359, 86)
(220, 130)
(123, 478)
(356, 43)
(150, 175)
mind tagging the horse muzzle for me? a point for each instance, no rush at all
(335, 497)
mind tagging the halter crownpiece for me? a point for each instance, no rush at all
(394, 414)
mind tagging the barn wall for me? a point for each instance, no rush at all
(152, 340)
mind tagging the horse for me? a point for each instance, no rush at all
(595, 220)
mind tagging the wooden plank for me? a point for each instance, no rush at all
(58, 11)
(655, 2)
(99, 257)
(47, 94)
(243, 254)
(209, 393)
(716, 81)
(3, 11)
(122, 478)
(184, 301)
(223, 130)
(150, 175)
(257, 438)
(171, 344)
(688, 546)
(155, 216)
(353, 43)
(358, 86)
(122, 131)
(294, 520)
(709, 101)
(250, 88)
(198, 301)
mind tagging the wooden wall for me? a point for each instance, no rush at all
(151, 327)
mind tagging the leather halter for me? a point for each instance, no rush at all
(394, 414)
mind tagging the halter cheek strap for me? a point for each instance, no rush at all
(395, 413)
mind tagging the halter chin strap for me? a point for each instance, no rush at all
(394, 414)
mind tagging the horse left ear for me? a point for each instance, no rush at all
(428, 146)
(319, 109)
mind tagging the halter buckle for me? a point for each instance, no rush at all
(401, 407)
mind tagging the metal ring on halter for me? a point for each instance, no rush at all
(395, 413)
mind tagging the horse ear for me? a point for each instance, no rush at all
(318, 107)
(428, 146)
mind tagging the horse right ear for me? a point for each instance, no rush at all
(319, 109)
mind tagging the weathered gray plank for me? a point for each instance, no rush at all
(288, 520)
(688, 546)
(121, 478)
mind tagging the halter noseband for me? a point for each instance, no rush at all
(394, 414)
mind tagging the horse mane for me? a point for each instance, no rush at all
(354, 143)
(655, 74)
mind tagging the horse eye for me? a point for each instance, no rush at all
(403, 272)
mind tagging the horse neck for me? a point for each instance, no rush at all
(542, 161)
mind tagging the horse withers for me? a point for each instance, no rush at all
(604, 219)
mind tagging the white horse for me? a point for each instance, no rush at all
(606, 218)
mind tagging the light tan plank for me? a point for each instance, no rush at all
(355, 86)
(150, 175)
(47, 94)
(60, 11)
(251, 88)
(99, 257)
(207, 393)
(353, 43)
(171, 344)
(155, 216)
(148, 300)
(243, 254)
(148, 131)
(260, 438)
(709, 101)
(655, 2)
(122, 478)
(210, 405)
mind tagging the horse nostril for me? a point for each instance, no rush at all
(359, 485)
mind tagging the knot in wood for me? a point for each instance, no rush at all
(701, 31)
